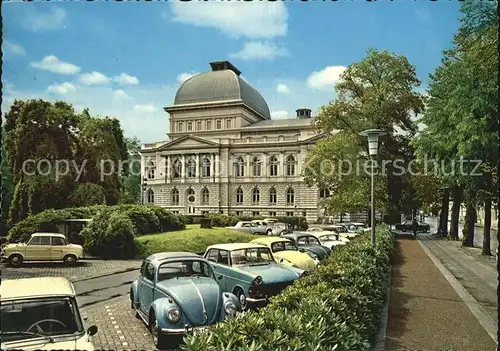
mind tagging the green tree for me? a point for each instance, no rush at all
(377, 92)
(88, 194)
(131, 176)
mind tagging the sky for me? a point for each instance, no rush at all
(127, 60)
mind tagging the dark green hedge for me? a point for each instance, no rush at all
(337, 307)
(221, 220)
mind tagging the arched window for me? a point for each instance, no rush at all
(239, 196)
(273, 166)
(273, 196)
(255, 195)
(151, 170)
(151, 196)
(240, 167)
(290, 165)
(205, 167)
(191, 168)
(205, 196)
(290, 196)
(190, 126)
(177, 169)
(175, 196)
(257, 166)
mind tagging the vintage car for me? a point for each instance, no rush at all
(356, 227)
(249, 227)
(407, 226)
(177, 292)
(287, 253)
(250, 272)
(279, 228)
(307, 242)
(330, 239)
(42, 314)
(42, 247)
(341, 230)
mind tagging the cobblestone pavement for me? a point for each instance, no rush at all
(119, 329)
(84, 269)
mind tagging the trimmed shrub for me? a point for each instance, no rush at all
(336, 307)
(110, 235)
(169, 221)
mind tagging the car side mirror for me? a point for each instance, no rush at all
(92, 330)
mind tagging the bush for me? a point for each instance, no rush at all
(337, 307)
(110, 235)
(221, 220)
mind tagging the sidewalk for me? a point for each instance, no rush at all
(425, 312)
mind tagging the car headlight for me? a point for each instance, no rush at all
(230, 308)
(173, 314)
(257, 280)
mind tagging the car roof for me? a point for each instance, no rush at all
(235, 246)
(162, 256)
(35, 287)
(48, 234)
(269, 240)
(297, 234)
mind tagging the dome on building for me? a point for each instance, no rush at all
(223, 83)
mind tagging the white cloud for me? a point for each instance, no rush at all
(282, 89)
(126, 79)
(13, 48)
(52, 64)
(280, 114)
(235, 19)
(181, 78)
(121, 95)
(145, 108)
(63, 88)
(326, 78)
(260, 50)
(94, 78)
(36, 21)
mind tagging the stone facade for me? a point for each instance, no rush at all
(223, 156)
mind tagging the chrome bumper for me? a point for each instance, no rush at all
(254, 300)
(180, 331)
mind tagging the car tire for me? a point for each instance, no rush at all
(153, 328)
(269, 232)
(70, 259)
(242, 299)
(16, 260)
(132, 305)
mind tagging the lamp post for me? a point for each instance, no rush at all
(372, 135)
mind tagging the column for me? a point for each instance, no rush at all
(183, 169)
(263, 159)
(217, 166)
(169, 168)
(198, 166)
(281, 167)
(248, 166)
(212, 166)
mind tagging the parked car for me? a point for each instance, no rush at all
(407, 226)
(250, 272)
(279, 228)
(249, 227)
(177, 292)
(267, 227)
(270, 220)
(330, 239)
(306, 241)
(42, 314)
(42, 247)
(341, 230)
(356, 227)
(287, 253)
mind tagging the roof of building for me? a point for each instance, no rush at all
(35, 287)
(235, 246)
(220, 85)
(281, 123)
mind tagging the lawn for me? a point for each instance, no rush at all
(192, 239)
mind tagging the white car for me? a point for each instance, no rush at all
(42, 314)
(329, 239)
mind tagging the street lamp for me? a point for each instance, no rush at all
(373, 135)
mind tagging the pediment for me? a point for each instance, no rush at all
(189, 142)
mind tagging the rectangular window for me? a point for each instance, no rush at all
(198, 125)
(272, 213)
(289, 214)
(255, 213)
(190, 126)
(219, 124)
(239, 213)
(179, 127)
(228, 124)
(209, 125)
(204, 212)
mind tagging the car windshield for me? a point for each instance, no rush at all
(308, 239)
(34, 318)
(184, 268)
(254, 255)
(283, 246)
(328, 237)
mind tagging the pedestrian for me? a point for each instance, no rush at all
(414, 227)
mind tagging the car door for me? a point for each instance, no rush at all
(219, 260)
(38, 249)
(57, 245)
(146, 288)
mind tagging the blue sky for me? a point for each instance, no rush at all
(127, 60)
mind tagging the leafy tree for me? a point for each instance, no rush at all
(88, 194)
(131, 176)
(377, 92)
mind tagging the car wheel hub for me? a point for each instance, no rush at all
(243, 299)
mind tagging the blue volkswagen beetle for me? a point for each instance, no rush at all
(176, 293)
(250, 272)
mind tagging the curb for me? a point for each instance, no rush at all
(103, 275)
(484, 319)
(382, 333)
